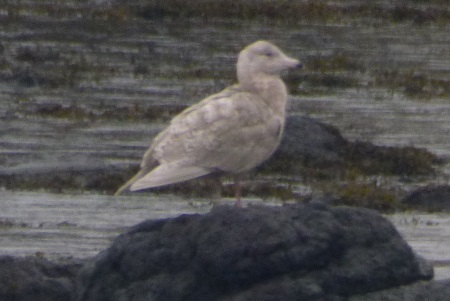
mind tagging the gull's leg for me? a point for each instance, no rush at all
(215, 185)
(237, 188)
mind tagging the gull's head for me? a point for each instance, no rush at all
(263, 57)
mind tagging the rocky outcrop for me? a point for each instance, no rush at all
(37, 279)
(309, 144)
(311, 252)
(429, 291)
(294, 252)
(429, 198)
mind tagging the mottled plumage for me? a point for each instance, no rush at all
(231, 131)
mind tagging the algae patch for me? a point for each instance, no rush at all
(293, 12)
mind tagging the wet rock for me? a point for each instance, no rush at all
(429, 198)
(430, 291)
(310, 145)
(311, 142)
(297, 252)
(35, 278)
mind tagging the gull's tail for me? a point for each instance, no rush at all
(126, 187)
(168, 173)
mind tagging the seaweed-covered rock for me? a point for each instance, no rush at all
(430, 198)
(297, 252)
(308, 142)
(389, 160)
(37, 279)
(311, 144)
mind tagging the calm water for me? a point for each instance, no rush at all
(93, 73)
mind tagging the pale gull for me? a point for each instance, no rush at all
(231, 131)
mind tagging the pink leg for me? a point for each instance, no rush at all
(237, 187)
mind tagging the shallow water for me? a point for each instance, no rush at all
(75, 225)
(100, 74)
(79, 226)
(429, 236)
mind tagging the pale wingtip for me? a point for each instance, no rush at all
(121, 190)
(167, 174)
(126, 187)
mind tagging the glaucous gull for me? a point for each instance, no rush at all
(231, 131)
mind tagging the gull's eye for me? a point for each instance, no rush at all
(269, 54)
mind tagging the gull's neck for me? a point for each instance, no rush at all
(270, 88)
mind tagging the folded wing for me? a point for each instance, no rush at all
(169, 173)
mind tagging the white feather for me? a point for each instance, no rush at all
(168, 173)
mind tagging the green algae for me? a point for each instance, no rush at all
(413, 83)
(294, 12)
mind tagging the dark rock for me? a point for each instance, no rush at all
(310, 145)
(429, 198)
(305, 136)
(37, 279)
(308, 142)
(311, 252)
(429, 291)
